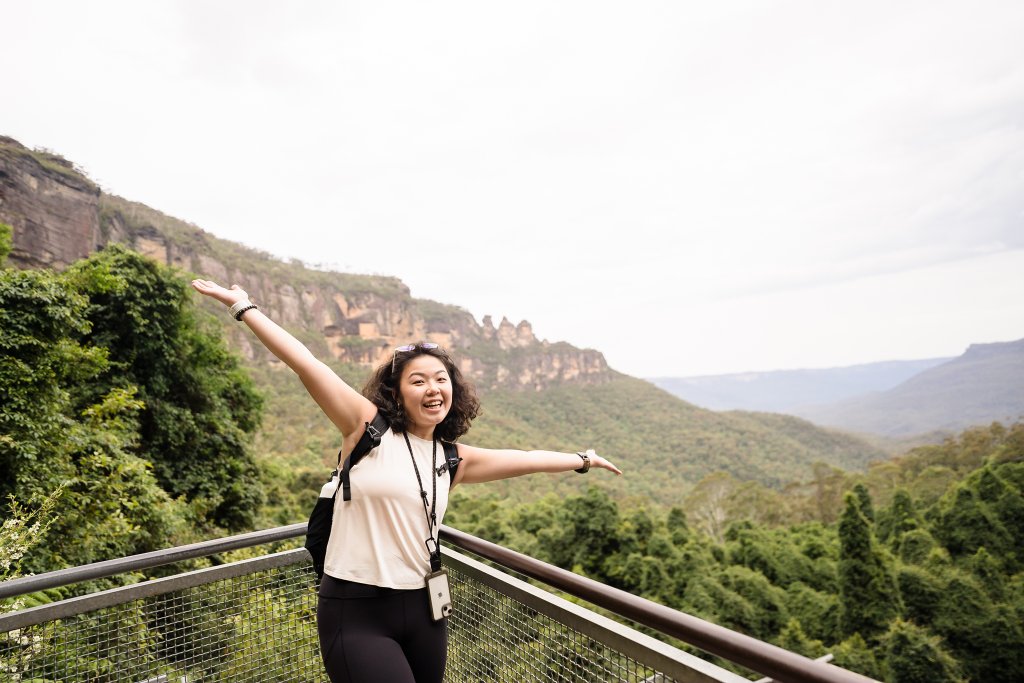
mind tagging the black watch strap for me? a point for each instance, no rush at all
(586, 463)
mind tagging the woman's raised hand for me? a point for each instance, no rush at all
(602, 462)
(347, 408)
(214, 291)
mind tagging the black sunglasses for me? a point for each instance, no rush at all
(410, 347)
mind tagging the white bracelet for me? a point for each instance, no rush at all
(237, 306)
(240, 307)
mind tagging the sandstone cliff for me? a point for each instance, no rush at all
(51, 206)
(59, 216)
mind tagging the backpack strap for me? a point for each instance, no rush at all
(367, 442)
(451, 458)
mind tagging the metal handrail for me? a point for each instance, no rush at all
(744, 650)
(156, 558)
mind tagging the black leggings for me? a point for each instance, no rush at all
(370, 634)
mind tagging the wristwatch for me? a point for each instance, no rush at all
(586, 462)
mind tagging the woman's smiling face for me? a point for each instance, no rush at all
(426, 392)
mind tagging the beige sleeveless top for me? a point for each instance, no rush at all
(378, 537)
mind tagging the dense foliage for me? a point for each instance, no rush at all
(927, 587)
(199, 406)
(110, 388)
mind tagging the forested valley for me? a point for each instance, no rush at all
(127, 425)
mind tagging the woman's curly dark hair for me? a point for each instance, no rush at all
(383, 391)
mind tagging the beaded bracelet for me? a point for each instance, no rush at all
(240, 307)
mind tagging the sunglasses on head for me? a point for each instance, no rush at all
(410, 347)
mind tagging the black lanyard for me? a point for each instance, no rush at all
(431, 514)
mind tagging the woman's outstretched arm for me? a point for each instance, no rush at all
(486, 464)
(346, 407)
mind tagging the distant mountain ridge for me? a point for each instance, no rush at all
(895, 399)
(984, 385)
(784, 391)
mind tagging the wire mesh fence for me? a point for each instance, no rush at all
(494, 637)
(257, 627)
(255, 621)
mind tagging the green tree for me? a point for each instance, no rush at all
(913, 655)
(677, 526)
(40, 363)
(867, 508)
(708, 598)
(816, 611)
(692, 561)
(590, 539)
(794, 639)
(915, 546)
(989, 486)
(768, 601)
(93, 364)
(54, 434)
(856, 655)
(987, 638)
(866, 593)
(199, 405)
(118, 508)
(966, 523)
(899, 518)
(990, 574)
(1008, 507)
(920, 593)
(750, 547)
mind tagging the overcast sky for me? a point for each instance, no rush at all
(689, 187)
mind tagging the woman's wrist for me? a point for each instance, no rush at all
(585, 457)
(238, 309)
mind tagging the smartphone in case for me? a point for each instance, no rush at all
(440, 595)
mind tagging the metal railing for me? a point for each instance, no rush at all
(754, 654)
(254, 620)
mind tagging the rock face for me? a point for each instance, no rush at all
(53, 210)
(59, 216)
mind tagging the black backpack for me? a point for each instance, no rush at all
(318, 531)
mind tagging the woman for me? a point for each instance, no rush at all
(374, 617)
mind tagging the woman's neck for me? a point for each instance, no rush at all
(422, 432)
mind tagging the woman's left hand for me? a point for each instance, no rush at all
(602, 462)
